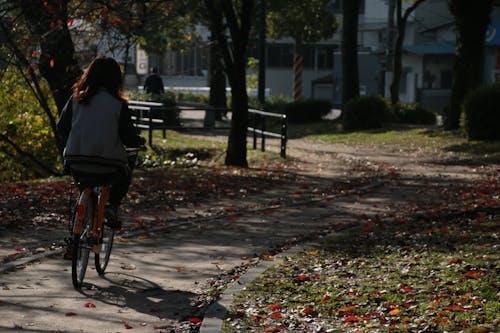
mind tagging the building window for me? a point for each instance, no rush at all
(308, 53)
(446, 79)
(497, 58)
(325, 57)
(280, 55)
(338, 6)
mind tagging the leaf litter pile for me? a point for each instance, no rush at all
(42, 209)
(422, 267)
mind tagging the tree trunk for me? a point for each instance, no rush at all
(350, 71)
(237, 141)
(58, 63)
(398, 52)
(217, 78)
(398, 48)
(234, 60)
(471, 20)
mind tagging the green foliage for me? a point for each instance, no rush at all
(364, 113)
(306, 111)
(252, 77)
(168, 99)
(308, 21)
(482, 116)
(24, 123)
(413, 114)
(154, 25)
(193, 98)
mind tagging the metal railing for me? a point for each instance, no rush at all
(258, 117)
(153, 116)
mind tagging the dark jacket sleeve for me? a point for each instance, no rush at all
(128, 133)
(64, 123)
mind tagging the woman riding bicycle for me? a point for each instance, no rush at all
(96, 127)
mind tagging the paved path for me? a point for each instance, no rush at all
(158, 282)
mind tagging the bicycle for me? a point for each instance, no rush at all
(88, 228)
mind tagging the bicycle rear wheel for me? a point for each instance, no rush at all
(82, 244)
(102, 257)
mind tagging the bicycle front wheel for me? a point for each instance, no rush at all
(82, 244)
(102, 257)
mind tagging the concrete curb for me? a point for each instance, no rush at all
(214, 316)
(212, 322)
(23, 261)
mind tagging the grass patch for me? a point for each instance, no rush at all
(401, 138)
(428, 266)
(179, 149)
(382, 281)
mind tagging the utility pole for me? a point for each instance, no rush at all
(389, 62)
(262, 52)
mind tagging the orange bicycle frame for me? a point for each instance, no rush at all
(97, 223)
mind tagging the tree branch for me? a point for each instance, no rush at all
(29, 156)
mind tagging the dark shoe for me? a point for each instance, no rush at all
(68, 253)
(68, 249)
(111, 216)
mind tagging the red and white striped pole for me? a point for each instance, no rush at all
(297, 79)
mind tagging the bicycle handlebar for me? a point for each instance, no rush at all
(135, 149)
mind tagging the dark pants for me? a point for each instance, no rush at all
(119, 188)
(122, 182)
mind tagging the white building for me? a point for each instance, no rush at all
(429, 48)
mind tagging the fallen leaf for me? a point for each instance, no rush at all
(456, 307)
(348, 310)
(309, 311)
(128, 267)
(474, 274)
(405, 289)
(455, 260)
(195, 321)
(302, 277)
(274, 306)
(275, 315)
(394, 312)
(127, 326)
(352, 319)
(89, 305)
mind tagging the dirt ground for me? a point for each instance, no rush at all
(164, 279)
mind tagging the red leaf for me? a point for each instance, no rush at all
(405, 289)
(275, 315)
(456, 307)
(309, 311)
(302, 277)
(89, 305)
(195, 321)
(455, 260)
(275, 306)
(127, 326)
(352, 319)
(474, 274)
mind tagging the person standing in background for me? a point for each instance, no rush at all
(154, 83)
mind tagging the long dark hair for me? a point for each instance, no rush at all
(103, 72)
